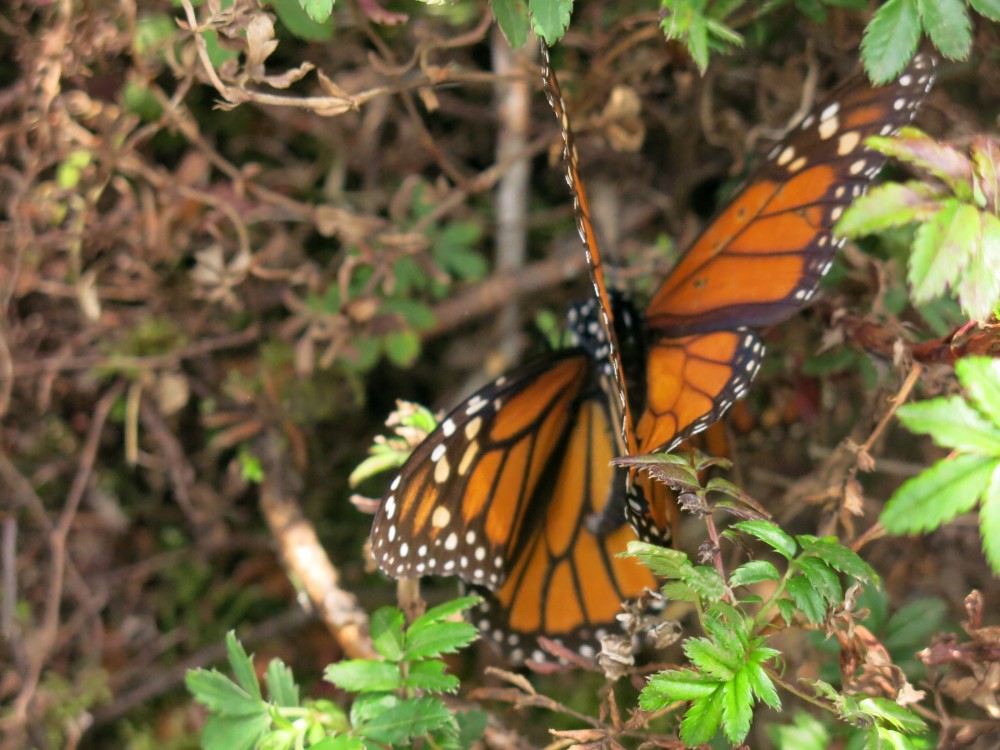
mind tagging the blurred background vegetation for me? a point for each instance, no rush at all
(272, 230)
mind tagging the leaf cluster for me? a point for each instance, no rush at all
(396, 697)
(957, 243)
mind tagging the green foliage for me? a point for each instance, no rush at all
(395, 702)
(411, 424)
(307, 19)
(700, 26)
(512, 15)
(957, 242)
(970, 427)
(730, 666)
(893, 33)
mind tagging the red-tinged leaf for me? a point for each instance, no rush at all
(942, 248)
(989, 522)
(979, 289)
(890, 39)
(985, 152)
(938, 494)
(891, 205)
(980, 376)
(941, 160)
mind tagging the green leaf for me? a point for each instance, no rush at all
(512, 15)
(430, 676)
(550, 18)
(387, 632)
(989, 522)
(988, 8)
(406, 720)
(918, 149)
(754, 571)
(339, 742)
(221, 695)
(443, 611)
(942, 248)
(737, 708)
(985, 153)
(762, 686)
(886, 206)
(787, 609)
(805, 733)
(281, 687)
(368, 706)
(664, 562)
(364, 675)
(822, 578)
(402, 347)
(471, 725)
(891, 712)
(708, 657)
(318, 10)
(439, 638)
(912, 625)
(702, 720)
(242, 666)
(770, 534)
(947, 23)
(890, 39)
(952, 423)
(235, 732)
(697, 41)
(838, 557)
(979, 289)
(706, 582)
(672, 685)
(938, 494)
(806, 598)
(292, 14)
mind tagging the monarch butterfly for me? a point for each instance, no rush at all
(755, 264)
(499, 492)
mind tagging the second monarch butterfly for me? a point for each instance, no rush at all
(755, 264)
(499, 492)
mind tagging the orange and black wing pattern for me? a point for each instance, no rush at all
(498, 495)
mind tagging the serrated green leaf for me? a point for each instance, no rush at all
(808, 601)
(989, 522)
(988, 8)
(672, 685)
(891, 712)
(318, 10)
(439, 638)
(387, 632)
(368, 706)
(281, 687)
(364, 675)
(406, 720)
(220, 694)
(512, 16)
(770, 534)
(697, 42)
(702, 720)
(430, 675)
(941, 249)
(942, 160)
(443, 611)
(234, 732)
(838, 557)
(752, 572)
(242, 666)
(680, 592)
(709, 658)
(952, 423)
(550, 18)
(822, 578)
(938, 494)
(947, 23)
(804, 733)
(762, 686)
(891, 205)
(890, 39)
(787, 609)
(707, 582)
(664, 562)
(339, 742)
(737, 708)
(911, 627)
(979, 289)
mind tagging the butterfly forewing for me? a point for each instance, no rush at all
(762, 258)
